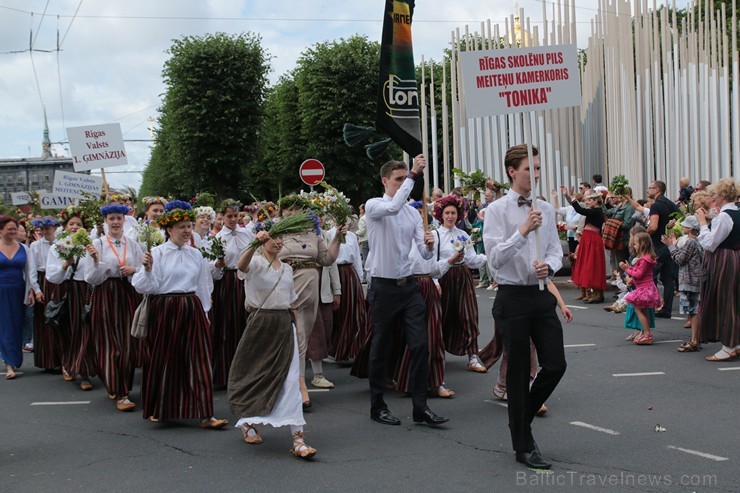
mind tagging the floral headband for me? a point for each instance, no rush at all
(176, 211)
(441, 204)
(292, 201)
(205, 211)
(118, 197)
(150, 201)
(229, 204)
(71, 212)
(114, 209)
(46, 222)
(416, 205)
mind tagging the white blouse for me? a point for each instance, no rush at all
(235, 242)
(427, 267)
(176, 270)
(40, 250)
(259, 281)
(444, 240)
(108, 264)
(54, 272)
(349, 252)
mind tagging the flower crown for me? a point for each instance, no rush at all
(292, 201)
(46, 222)
(113, 209)
(205, 211)
(149, 201)
(176, 211)
(230, 204)
(72, 211)
(118, 197)
(444, 202)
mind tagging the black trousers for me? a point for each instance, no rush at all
(667, 270)
(389, 304)
(521, 312)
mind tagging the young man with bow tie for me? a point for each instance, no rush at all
(521, 309)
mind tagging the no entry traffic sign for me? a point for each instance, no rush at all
(311, 172)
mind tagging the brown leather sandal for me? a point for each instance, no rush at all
(300, 449)
(255, 439)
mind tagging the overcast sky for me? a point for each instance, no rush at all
(112, 53)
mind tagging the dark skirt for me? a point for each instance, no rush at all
(435, 340)
(459, 311)
(589, 271)
(50, 343)
(320, 340)
(228, 319)
(492, 351)
(176, 381)
(82, 357)
(113, 306)
(350, 321)
(261, 363)
(720, 298)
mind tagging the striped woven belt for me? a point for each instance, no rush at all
(302, 264)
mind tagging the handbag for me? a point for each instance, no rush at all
(140, 322)
(55, 311)
(611, 233)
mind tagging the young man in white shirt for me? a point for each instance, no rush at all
(521, 310)
(394, 295)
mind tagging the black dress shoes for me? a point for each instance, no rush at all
(384, 417)
(428, 417)
(532, 459)
(663, 314)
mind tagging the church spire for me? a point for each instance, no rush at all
(46, 143)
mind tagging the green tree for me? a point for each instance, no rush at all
(210, 116)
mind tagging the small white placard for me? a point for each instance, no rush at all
(49, 200)
(68, 184)
(96, 146)
(19, 198)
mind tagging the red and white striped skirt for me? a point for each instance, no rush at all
(50, 343)
(350, 321)
(228, 320)
(459, 311)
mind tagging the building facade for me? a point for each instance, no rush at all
(30, 174)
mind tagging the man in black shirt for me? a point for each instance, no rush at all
(665, 268)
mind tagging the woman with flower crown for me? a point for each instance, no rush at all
(204, 218)
(228, 318)
(129, 222)
(459, 304)
(67, 271)
(305, 253)
(109, 265)
(263, 384)
(176, 381)
(51, 343)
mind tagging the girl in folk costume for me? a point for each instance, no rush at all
(204, 218)
(305, 253)
(646, 294)
(263, 383)
(176, 380)
(51, 343)
(427, 272)
(129, 221)
(351, 324)
(720, 292)
(459, 305)
(153, 207)
(589, 272)
(110, 263)
(81, 356)
(228, 319)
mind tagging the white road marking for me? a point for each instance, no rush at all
(578, 345)
(60, 403)
(730, 368)
(577, 307)
(497, 402)
(594, 427)
(700, 454)
(671, 341)
(319, 390)
(643, 374)
(17, 373)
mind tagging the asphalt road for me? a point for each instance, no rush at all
(599, 433)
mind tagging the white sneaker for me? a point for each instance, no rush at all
(321, 383)
(482, 285)
(491, 287)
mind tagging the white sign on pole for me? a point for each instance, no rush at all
(49, 200)
(75, 185)
(515, 80)
(97, 146)
(20, 198)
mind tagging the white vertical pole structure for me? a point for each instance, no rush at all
(455, 107)
(435, 161)
(735, 98)
(445, 132)
(424, 127)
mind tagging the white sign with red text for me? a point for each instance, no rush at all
(96, 146)
(515, 80)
